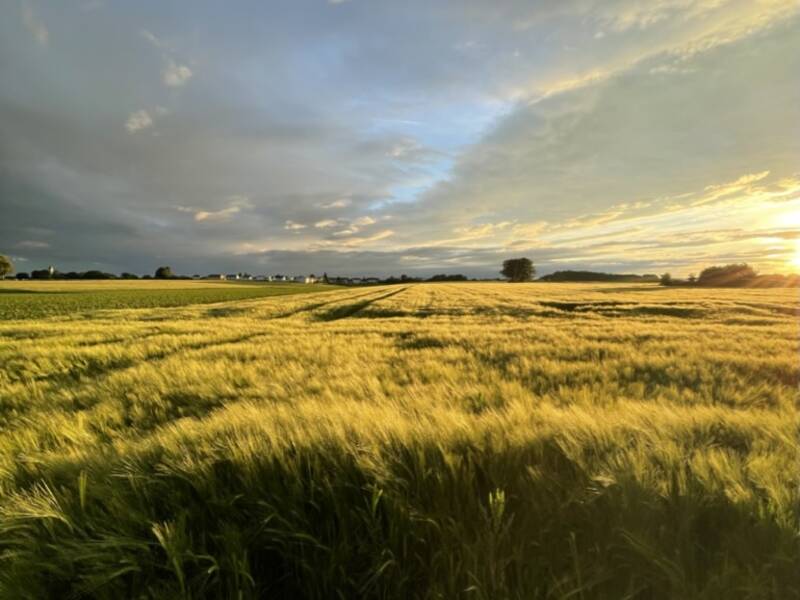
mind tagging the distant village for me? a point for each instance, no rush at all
(292, 278)
(166, 273)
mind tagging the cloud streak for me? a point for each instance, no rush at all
(34, 24)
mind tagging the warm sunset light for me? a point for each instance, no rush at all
(796, 258)
(399, 300)
(789, 220)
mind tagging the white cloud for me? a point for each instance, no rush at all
(353, 242)
(325, 223)
(138, 120)
(363, 221)
(355, 226)
(293, 226)
(381, 235)
(175, 75)
(235, 204)
(340, 203)
(34, 25)
(32, 244)
(152, 38)
(403, 148)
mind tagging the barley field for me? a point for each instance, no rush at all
(436, 441)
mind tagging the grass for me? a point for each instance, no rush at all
(30, 300)
(429, 441)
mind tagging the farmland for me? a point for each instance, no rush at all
(25, 300)
(472, 440)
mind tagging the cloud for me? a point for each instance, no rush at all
(235, 204)
(623, 17)
(220, 215)
(403, 148)
(34, 24)
(539, 138)
(712, 193)
(325, 223)
(340, 203)
(32, 244)
(363, 221)
(153, 39)
(138, 120)
(354, 225)
(175, 75)
(354, 242)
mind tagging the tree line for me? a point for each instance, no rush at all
(7, 268)
(733, 275)
(515, 270)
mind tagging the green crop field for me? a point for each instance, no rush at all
(28, 300)
(438, 441)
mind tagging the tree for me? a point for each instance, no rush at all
(94, 274)
(22, 276)
(518, 269)
(163, 273)
(6, 266)
(666, 279)
(446, 277)
(41, 274)
(727, 275)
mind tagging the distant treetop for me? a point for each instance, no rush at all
(597, 276)
(518, 269)
(733, 275)
(163, 273)
(6, 266)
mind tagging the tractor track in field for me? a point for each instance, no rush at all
(352, 309)
(74, 378)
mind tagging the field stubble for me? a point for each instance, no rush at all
(423, 441)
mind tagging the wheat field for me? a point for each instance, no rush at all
(475, 440)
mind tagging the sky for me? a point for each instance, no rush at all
(367, 137)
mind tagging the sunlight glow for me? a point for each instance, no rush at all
(789, 219)
(795, 261)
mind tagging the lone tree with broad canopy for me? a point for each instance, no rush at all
(518, 269)
(6, 267)
(163, 273)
